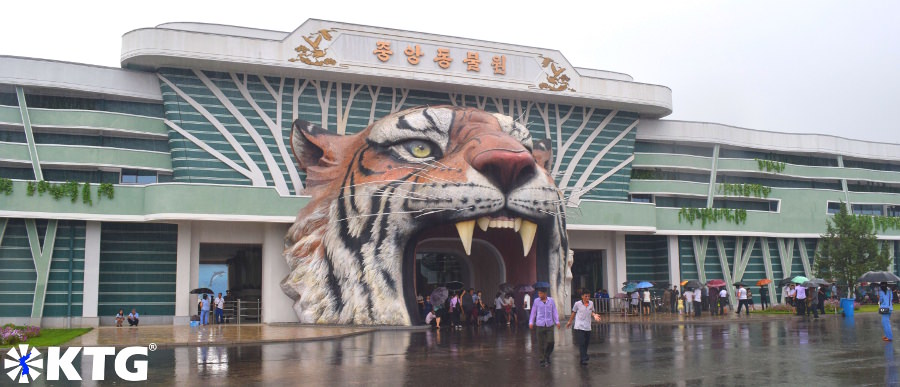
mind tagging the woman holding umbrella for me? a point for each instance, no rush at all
(885, 307)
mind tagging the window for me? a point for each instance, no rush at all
(136, 176)
(834, 207)
(893, 211)
(868, 209)
(642, 198)
(754, 205)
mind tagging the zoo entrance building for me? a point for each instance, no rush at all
(119, 185)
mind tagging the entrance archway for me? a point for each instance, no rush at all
(441, 260)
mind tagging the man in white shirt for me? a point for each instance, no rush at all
(688, 302)
(800, 300)
(220, 309)
(743, 302)
(723, 300)
(526, 303)
(582, 312)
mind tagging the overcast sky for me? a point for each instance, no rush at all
(829, 67)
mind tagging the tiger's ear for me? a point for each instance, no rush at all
(543, 154)
(314, 146)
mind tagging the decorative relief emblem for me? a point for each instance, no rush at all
(310, 53)
(557, 80)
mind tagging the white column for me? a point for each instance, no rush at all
(91, 295)
(277, 306)
(674, 261)
(620, 262)
(183, 274)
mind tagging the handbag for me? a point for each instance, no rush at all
(884, 310)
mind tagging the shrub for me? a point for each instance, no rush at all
(11, 334)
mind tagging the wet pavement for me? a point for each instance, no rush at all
(830, 351)
(210, 335)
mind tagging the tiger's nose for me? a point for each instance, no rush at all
(507, 168)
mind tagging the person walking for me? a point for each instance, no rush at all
(698, 302)
(526, 304)
(204, 310)
(675, 296)
(544, 316)
(764, 297)
(822, 298)
(713, 301)
(645, 302)
(667, 300)
(800, 300)
(468, 304)
(688, 302)
(813, 301)
(220, 309)
(582, 312)
(723, 300)
(885, 308)
(742, 300)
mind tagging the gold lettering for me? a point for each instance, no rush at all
(413, 54)
(499, 64)
(383, 50)
(443, 58)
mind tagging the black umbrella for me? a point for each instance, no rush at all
(202, 291)
(693, 284)
(786, 281)
(878, 276)
(439, 295)
(739, 284)
(455, 285)
(820, 282)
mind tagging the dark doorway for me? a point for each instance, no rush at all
(242, 264)
(587, 272)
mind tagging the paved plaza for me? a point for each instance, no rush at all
(771, 351)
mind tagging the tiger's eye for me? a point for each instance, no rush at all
(419, 149)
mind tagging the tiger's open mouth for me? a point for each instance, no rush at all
(520, 243)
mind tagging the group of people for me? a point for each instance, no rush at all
(470, 307)
(805, 300)
(217, 305)
(133, 318)
(694, 301)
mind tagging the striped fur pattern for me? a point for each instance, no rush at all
(372, 191)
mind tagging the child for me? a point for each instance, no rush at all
(680, 305)
(120, 317)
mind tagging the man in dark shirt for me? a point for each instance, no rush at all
(467, 305)
(674, 299)
(764, 296)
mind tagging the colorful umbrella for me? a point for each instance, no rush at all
(629, 288)
(799, 279)
(644, 285)
(764, 281)
(541, 284)
(716, 283)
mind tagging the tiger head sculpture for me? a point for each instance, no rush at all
(351, 251)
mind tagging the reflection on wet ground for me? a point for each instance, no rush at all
(827, 351)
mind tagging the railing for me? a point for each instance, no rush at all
(242, 311)
(624, 306)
